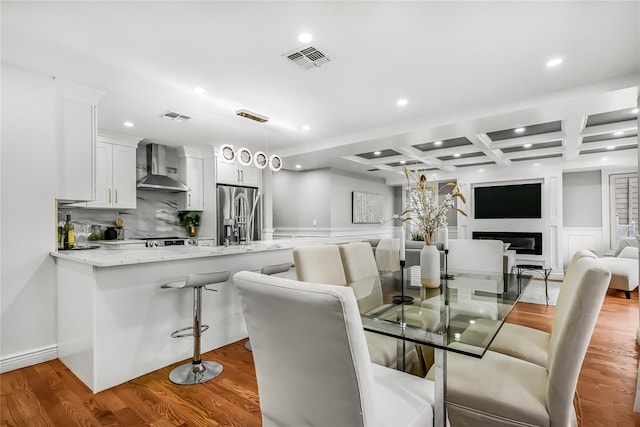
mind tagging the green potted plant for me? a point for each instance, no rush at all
(189, 220)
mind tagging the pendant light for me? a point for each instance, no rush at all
(261, 158)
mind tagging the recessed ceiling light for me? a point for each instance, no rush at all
(298, 166)
(611, 147)
(619, 133)
(526, 146)
(128, 124)
(376, 153)
(305, 38)
(481, 170)
(456, 155)
(402, 102)
(437, 143)
(519, 130)
(199, 90)
(306, 127)
(402, 162)
(554, 62)
(634, 111)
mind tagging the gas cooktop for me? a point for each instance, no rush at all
(152, 242)
(166, 241)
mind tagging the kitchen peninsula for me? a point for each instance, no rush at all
(114, 320)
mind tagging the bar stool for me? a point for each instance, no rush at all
(198, 371)
(269, 270)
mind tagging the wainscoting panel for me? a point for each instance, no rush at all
(576, 239)
(347, 233)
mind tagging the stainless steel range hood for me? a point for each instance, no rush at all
(157, 178)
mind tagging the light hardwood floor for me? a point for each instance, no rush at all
(48, 394)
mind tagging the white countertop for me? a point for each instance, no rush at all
(114, 257)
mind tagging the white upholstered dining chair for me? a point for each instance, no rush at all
(500, 390)
(359, 264)
(387, 255)
(476, 255)
(358, 261)
(324, 264)
(532, 344)
(312, 363)
(319, 264)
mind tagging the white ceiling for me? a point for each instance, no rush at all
(466, 69)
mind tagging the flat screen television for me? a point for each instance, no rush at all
(508, 201)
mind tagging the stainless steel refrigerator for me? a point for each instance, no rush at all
(239, 214)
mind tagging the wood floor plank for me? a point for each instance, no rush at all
(48, 394)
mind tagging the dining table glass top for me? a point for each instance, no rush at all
(463, 315)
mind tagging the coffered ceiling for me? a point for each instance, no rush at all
(607, 132)
(471, 74)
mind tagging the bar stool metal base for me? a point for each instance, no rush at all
(195, 373)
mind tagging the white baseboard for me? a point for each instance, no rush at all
(33, 357)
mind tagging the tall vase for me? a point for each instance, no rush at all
(430, 266)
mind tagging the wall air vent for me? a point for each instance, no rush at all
(171, 115)
(253, 116)
(306, 58)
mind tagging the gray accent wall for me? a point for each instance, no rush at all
(323, 195)
(582, 199)
(343, 184)
(301, 197)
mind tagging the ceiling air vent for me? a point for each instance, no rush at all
(308, 57)
(253, 116)
(171, 115)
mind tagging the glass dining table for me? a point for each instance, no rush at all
(462, 316)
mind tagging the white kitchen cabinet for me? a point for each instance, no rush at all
(191, 174)
(235, 174)
(115, 174)
(76, 111)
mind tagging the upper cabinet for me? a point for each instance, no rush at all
(236, 174)
(115, 174)
(191, 174)
(76, 110)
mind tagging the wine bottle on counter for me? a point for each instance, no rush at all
(68, 234)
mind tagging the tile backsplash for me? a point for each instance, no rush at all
(156, 215)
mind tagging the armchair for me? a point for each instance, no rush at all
(624, 270)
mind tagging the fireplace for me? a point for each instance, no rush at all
(521, 242)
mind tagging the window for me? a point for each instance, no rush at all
(624, 206)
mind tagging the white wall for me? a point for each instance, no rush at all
(550, 225)
(559, 240)
(27, 289)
